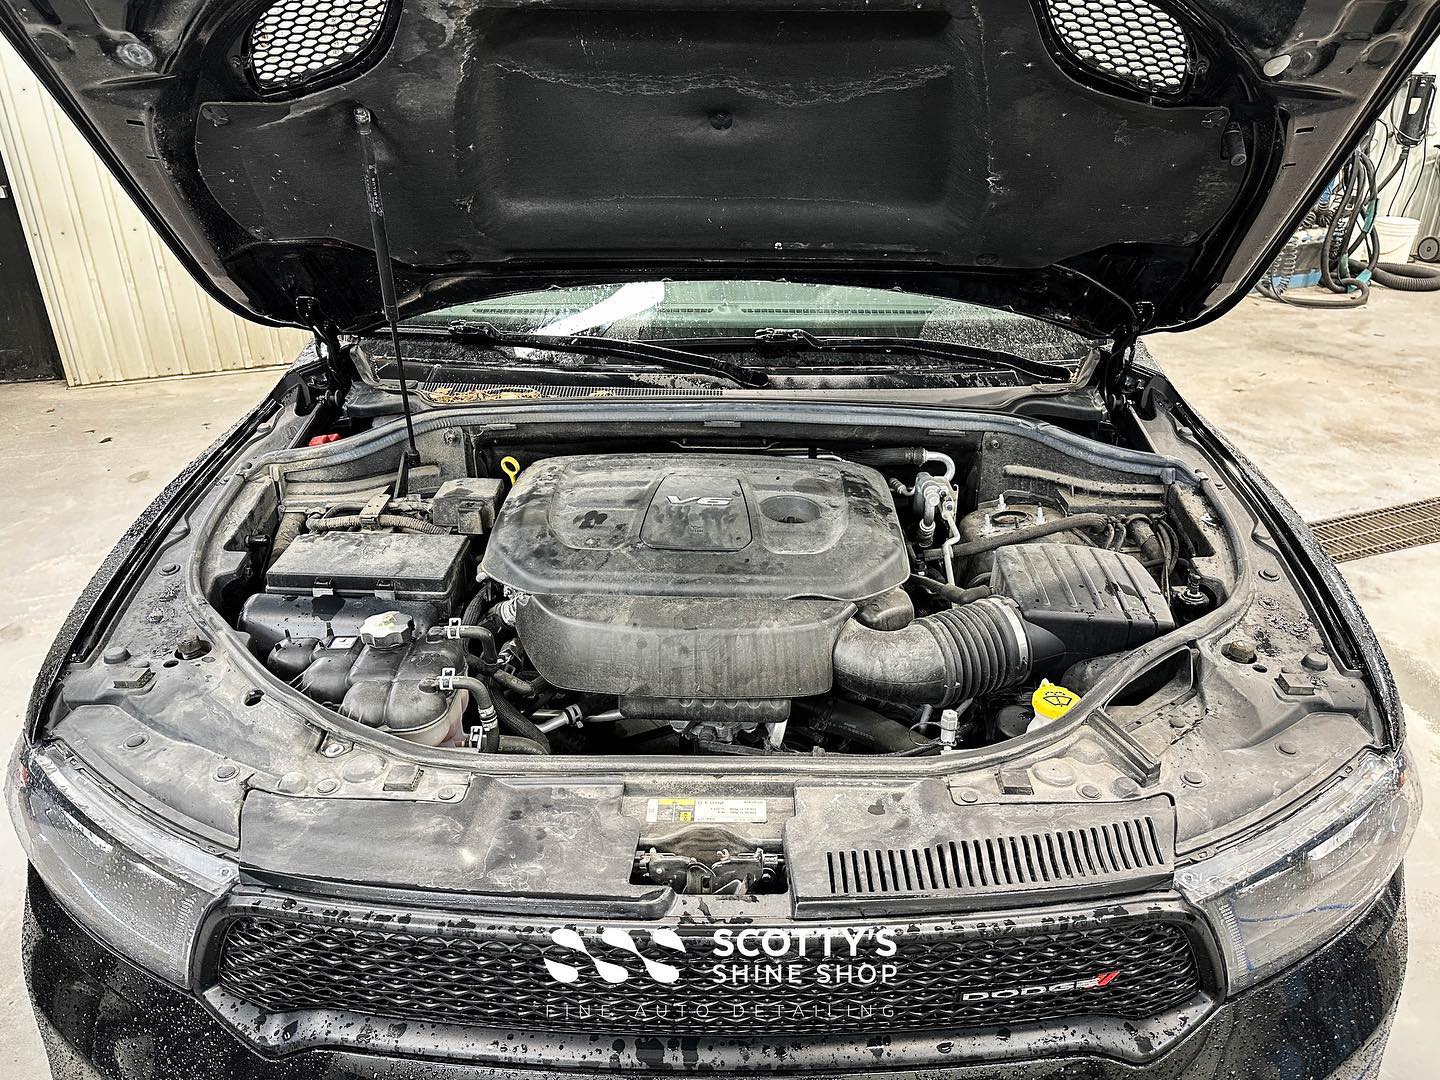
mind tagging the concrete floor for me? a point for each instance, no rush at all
(1338, 407)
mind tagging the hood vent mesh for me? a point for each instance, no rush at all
(1130, 40)
(297, 41)
(1090, 855)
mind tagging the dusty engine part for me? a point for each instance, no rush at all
(1054, 604)
(374, 677)
(737, 874)
(467, 505)
(698, 577)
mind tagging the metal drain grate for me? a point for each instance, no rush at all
(1375, 532)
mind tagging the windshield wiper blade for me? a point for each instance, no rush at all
(795, 337)
(677, 360)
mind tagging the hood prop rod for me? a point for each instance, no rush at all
(386, 270)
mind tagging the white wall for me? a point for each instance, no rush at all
(121, 305)
(1415, 192)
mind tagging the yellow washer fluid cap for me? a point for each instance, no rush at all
(1051, 702)
(511, 468)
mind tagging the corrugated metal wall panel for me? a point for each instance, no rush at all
(121, 305)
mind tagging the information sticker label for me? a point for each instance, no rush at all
(714, 811)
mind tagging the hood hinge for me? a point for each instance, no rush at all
(337, 378)
(1116, 367)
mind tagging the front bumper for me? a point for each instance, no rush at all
(1328, 1017)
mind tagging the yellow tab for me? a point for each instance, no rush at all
(1051, 701)
(511, 468)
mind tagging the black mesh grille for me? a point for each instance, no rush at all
(1128, 39)
(296, 41)
(486, 978)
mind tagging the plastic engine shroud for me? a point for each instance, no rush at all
(710, 576)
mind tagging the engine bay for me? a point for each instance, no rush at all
(795, 600)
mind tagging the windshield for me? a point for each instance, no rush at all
(669, 310)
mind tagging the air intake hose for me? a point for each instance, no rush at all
(944, 658)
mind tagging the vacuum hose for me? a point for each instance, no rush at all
(942, 659)
(1406, 277)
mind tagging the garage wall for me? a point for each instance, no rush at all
(121, 306)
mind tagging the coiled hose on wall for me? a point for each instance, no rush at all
(1349, 222)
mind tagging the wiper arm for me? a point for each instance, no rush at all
(678, 360)
(948, 350)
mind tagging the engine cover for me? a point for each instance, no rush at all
(706, 576)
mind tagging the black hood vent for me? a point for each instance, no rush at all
(1130, 40)
(1098, 853)
(297, 42)
(916, 849)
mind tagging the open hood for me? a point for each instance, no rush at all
(1112, 165)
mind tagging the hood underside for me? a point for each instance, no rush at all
(1112, 165)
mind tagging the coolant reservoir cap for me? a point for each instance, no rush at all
(387, 630)
(1051, 701)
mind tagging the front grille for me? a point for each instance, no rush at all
(661, 982)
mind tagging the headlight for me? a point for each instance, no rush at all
(1283, 894)
(141, 890)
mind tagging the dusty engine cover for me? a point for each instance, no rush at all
(692, 576)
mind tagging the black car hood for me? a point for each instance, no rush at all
(1112, 165)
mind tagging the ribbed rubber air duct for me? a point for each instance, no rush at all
(942, 659)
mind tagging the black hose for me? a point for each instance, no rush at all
(516, 685)
(890, 610)
(950, 593)
(890, 455)
(474, 609)
(517, 723)
(478, 634)
(941, 659)
(1357, 195)
(484, 707)
(514, 744)
(384, 521)
(1030, 532)
(1407, 277)
(857, 724)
